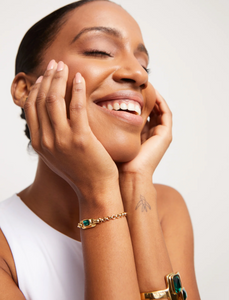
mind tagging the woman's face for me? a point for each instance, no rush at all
(104, 43)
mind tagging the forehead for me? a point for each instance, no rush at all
(102, 13)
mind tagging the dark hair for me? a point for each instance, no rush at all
(38, 38)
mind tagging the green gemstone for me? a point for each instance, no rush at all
(86, 222)
(185, 296)
(177, 283)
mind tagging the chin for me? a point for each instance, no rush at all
(123, 152)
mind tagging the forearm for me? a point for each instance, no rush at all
(110, 271)
(151, 256)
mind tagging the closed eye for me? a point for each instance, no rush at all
(97, 53)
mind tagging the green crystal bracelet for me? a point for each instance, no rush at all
(90, 223)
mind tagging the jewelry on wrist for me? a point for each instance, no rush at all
(173, 291)
(90, 223)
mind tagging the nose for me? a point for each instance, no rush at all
(130, 71)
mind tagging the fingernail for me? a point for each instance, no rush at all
(51, 65)
(39, 79)
(60, 66)
(78, 78)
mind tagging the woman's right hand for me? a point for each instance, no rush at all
(67, 146)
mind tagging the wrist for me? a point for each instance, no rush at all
(132, 181)
(97, 190)
(134, 188)
(135, 176)
(101, 203)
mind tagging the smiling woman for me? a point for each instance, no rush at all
(100, 129)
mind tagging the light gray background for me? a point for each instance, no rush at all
(188, 41)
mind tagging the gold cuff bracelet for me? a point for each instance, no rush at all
(173, 291)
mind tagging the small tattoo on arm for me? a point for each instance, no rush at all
(143, 204)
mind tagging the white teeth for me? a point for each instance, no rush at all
(137, 109)
(116, 106)
(131, 107)
(110, 107)
(123, 106)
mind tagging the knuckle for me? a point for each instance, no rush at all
(61, 144)
(46, 143)
(76, 107)
(51, 98)
(48, 73)
(78, 89)
(40, 97)
(27, 106)
(58, 75)
(80, 142)
(33, 88)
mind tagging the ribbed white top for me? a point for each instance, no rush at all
(49, 264)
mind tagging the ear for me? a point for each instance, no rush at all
(20, 88)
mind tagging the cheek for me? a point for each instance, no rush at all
(94, 74)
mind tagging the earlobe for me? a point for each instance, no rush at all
(20, 88)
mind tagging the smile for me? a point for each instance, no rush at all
(122, 101)
(122, 105)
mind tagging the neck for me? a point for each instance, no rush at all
(53, 200)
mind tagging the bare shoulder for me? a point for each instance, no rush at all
(176, 226)
(171, 204)
(168, 196)
(6, 258)
(8, 278)
(174, 218)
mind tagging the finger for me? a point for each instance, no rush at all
(155, 116)
(144, 137)
(31, 111)
(77, 108)
(166, 115)
(156, 109)
(55, 99)
(42, 113)
(145, 132)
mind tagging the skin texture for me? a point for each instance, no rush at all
(92, 162)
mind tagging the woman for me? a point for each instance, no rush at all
(81, 79)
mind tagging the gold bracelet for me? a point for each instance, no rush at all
(173, 291)
(90, 223)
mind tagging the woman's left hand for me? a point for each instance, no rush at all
(156, 137)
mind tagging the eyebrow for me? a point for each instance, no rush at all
(108, 30)
(142, 48)
(111, 31)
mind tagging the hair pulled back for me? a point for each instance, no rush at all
(38, 39)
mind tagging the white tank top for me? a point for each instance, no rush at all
(49, 264)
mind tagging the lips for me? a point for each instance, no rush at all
(124, 104)
(122, 100)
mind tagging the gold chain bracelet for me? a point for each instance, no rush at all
(90, 223)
